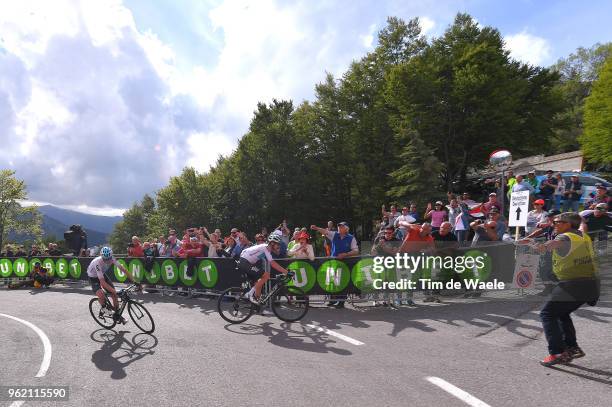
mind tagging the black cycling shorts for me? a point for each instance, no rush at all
(252, 271)
(95, 283)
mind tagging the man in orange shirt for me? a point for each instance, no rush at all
(418, 240)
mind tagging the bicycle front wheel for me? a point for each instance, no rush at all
(290, 304)
(102, 315)
(141, 317)
(233, 306)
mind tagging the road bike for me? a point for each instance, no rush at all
(288, 303)
(104, 315)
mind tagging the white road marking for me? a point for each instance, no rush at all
(44, 366)
(336, 335)
(17, 403)
(457, 392)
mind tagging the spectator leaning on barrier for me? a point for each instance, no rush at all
(445, 234)
(387, 244)
(293, 240)
(484, 231)
(135, 248)
(418, 240)
(537, 217)
(573, 192)
(601, 197)
(302, 249)
(500, 222)
(327, 244)
(243, 243)
(21, 252)
(213, 247)
(34, 251)
(172, 246)
(53, 251)
(161, 246)
(597, 222)
(574, 267)
(559, 192)
(343, 244)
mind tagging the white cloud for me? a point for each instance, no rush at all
(95, 112)
(528, 48)
(427, 24)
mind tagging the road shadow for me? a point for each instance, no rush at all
(595, 375)
(119, 350)
(294, 336)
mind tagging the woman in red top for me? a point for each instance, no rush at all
(135, 249)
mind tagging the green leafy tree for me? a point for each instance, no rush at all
(134, 223)
(419, 171)
(13, 217)
(465, 97)
(577, 73)
(596, 140)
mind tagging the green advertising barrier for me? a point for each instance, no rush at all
(316, 277)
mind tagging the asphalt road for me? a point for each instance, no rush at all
(487, 348)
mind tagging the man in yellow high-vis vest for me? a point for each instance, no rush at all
(574, 267)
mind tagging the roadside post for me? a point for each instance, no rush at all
(517, 217)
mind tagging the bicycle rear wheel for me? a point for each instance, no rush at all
(141, 317)
(102, 315)
(290, 304)
(234, 306)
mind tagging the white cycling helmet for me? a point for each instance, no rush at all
(106, 253)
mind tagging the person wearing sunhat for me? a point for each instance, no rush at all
(302, 249)
(343, 244)
(537, 218)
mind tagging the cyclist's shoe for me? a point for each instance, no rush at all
(575, 352)
(410, 303)
(551, 360)
(339, 305)
(251, 297)
(119, 319)
(332, 303)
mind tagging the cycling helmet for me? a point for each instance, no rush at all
(106, 253)
(274, 238)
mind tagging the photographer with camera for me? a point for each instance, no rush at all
(76, 239)
(135, 248)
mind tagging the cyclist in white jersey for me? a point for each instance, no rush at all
(252, 263)
(96, 271)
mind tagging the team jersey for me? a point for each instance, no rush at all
(97, 267)
(257, 253)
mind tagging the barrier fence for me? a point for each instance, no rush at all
(322, 276)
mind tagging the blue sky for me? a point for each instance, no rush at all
(101, 102)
